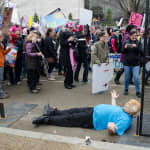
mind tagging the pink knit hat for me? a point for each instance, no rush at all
(69, 25)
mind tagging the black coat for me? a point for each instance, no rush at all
(132, 56)
(50, 49)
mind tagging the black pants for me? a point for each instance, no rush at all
(69, 73)
(33, 78)
(51, 67)
(76, 117)
(18, 69)
(86, 70)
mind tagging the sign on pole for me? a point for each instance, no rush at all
(55, 19)
(86, 17)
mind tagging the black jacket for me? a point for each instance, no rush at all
(132, 56)
(19, 45)
(50, 49)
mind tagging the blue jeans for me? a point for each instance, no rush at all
(136, 76)
(85, 73)
(1, 80)
(147, 76)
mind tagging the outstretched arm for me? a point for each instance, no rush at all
(114, 96)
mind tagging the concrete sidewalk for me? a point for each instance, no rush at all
(13, 139)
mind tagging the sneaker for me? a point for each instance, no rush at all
(51, 78)
(19, 83)
(126, 92)
(38, 88)
(86, 82)
(9, 84)
(138, 94)
(4, 96)
(35, 91)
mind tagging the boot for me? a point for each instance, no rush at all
(118, 75)
(40, 120)
(49, 111)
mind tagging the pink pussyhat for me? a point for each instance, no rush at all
(80, 27)
(69, 25)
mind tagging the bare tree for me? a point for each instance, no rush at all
(129, 6)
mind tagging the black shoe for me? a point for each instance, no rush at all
(117, 81)
(68, 87)
(73, 86)
(126, 92)
(40, 120)
(48, 111)
(138, 94)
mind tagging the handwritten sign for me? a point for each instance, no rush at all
(136, 19)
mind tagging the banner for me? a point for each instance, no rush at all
(6, 23)
(55, 19)
(114, 59)
(1, 19)
(101, 77)
(136, 19)
(10, 58)
(86, 17)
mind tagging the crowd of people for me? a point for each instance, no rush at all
(90, 45)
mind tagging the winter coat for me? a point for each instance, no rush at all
(100, 53)
(132, 56)
(32, 58)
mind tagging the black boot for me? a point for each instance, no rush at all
(118, 75)
(48, 111)
(40, 120)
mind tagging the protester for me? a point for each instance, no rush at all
(50, 52)
(125, 37)
(113, 41)
(3, 52)
(111, 117)
(18, 65)
(82, 54)
(100, 53)
(132, 52)
(33, 62)
(67, 41)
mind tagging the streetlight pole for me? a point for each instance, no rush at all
(144, 70)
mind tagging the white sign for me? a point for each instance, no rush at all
(102, 75)
(15, 17)
(86, 17)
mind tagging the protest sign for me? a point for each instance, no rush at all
(86, 17)
(25, 21)
(15, 17)
(114, 59)
(42, 28)
(10, 58)
(1, 19)
(6, 23)
(30, 21)
(72, 60)
(101, 77)
(136, 19)
(55, 19)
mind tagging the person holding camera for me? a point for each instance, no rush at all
(132, 58)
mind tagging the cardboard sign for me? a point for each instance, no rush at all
(86, 17)
(114, 59)
(6, 23)
(136, 19)
(55, 19)
(101, 77)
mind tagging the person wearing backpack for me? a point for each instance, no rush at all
(113, 41)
